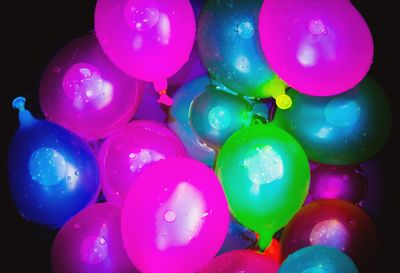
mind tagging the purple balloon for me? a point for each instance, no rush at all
(338, 182)
(320, 48)
(149, 108)
(91, 242)
(84, 92)
(128, 151)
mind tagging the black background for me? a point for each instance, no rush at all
(33, 31)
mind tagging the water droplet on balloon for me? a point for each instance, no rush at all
(68, 178)
(317, 27)
(169, 216)
(102, 240)
(76, 173)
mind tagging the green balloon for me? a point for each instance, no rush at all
(265, 175)
(344, 129)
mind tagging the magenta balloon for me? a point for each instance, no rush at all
(91, 242)
(247, 261)
(175, 217)
(84, 92)
(128, 151)
(148, 39)
(319, 48)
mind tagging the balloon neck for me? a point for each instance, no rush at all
(265, 240)
(25, 116)
(161, 87)
(277, 89)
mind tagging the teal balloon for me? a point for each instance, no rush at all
(216, 115)
(229, 46)
(318, 259)
(339, 130)
(178, 121)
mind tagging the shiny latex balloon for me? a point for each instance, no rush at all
(339, 130)
(334, 223)
(318, 259)
(238, 237)
(127, 152)
(338, 182)
(53, 174)
(321, 48)
(232, 51)
(149, 108)
(178, 121)
(215, 115)
(248, 261)
(175, 217)
(91, 241)
(83, 91)
(204, 115)
(148, 39)
(258, 166)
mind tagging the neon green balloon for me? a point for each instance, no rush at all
(265, 175)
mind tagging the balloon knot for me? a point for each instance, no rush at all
(284, 102)
(164, 98)
(19, 103)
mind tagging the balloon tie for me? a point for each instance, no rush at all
(164, 98)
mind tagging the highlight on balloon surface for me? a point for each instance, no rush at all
(333, 223)
(318, 259)
(52, 172)
(232, 52)
(91, 241)
(346, 129)
(175, 217)
(148, 39)
(248, 261)
(320, 48)
(258, 167)
(128, 151)
(347, 183)
(83, 91)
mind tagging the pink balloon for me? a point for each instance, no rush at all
(148, 39)
(84, 92)
(91, 242)
(175, 217)
(127, 152)
(320, 48)
(247, 261)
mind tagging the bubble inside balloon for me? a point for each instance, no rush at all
(52, 172)
(175, 217)
(83, 91)
(258, 166)
(318, 259)
(91, 242)
(320, 48)
(339, 130)
(127, 152)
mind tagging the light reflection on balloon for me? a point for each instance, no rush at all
(82, 90)
(339, 130)
(127, 152)
(91, 242)
(175, 217)
(52, 172)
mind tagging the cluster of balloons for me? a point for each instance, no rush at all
(254, 167)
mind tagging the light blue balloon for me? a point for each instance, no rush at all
(318, 259)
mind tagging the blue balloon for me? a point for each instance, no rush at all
(53, 174)
(229, 46)
(318, 259)
(238, 237)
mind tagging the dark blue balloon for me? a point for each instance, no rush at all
(238, 237)
(53, 174)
